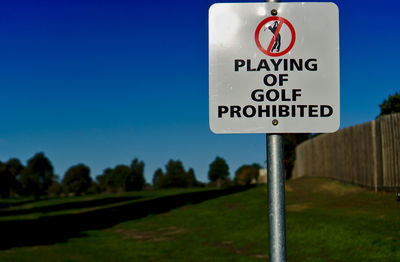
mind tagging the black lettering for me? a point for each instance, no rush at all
(293, 64)
(235, 110)
(323, 111)
(288, 65)
(274, 80)
(257, 97)
(249, 66)
(239, 63)
(261, 111)
(282, 79)
(284, 98)
(275, 96)
(274, 111)
(296, 93)
(276, 64)
(302, 107)
(311, 67)
(252, 111)
(283, 110)
(263, 65)
(222, 110)
(293, 110)
(285, 65)
(312, 109)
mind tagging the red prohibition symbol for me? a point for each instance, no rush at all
(280, 21)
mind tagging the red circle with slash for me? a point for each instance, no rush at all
(281, 21)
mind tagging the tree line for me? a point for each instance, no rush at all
(38, 179)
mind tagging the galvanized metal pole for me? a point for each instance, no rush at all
(276, 198)
(276, 195)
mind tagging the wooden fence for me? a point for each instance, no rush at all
(367, 155)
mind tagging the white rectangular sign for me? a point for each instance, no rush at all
(274, 68)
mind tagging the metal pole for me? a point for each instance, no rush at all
(276, 195)
(276, 198)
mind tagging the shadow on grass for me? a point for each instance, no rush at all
(8, 204)
(59, 228)
(68, 205)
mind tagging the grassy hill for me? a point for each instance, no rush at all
(326, 221)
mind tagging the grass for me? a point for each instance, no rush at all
(326, 221)
(28, 208)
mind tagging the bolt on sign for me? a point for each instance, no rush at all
(274, 68)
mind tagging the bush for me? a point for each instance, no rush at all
(247, 174)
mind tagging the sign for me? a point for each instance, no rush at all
(274, 68)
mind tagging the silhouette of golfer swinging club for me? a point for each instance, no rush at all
(277, 43)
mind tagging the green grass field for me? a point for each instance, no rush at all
(326, 221)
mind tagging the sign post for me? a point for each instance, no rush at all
(274, 69)
(276, 198)
(276, 187)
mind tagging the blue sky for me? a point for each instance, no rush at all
(103, 82)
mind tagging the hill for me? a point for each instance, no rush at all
(326, 221)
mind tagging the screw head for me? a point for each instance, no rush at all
(275, 122)
(274, 12)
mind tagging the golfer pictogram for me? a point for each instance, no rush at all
(274, 45)
(277, 42)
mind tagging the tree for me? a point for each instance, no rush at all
(123, 177)
(55, 188)
(219, 171)
(37, 177)
(135, 179)
(246, 174)
(191, 178)
(157, 178)
(9, 177)
(175, 176)
(15, 167)
(391, 105)
(102, 180)
(117, 178)
(5, 181)
(290, 141)
(77, 179)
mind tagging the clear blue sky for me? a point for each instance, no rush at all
(102, 82)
